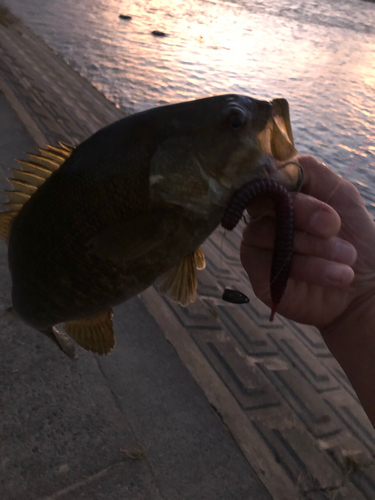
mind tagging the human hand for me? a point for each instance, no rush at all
(333, 266)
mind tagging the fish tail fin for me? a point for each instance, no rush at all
(25, 182)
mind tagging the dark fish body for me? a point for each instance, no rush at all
(130, 203)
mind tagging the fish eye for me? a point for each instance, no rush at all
(237, 119)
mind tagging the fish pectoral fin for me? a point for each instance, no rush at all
(180, 282)
(94, 333)
(130, 239)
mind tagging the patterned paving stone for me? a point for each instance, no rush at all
(245, 380)
(275, 385)
(310, 367)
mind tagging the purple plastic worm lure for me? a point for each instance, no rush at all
(283, 248)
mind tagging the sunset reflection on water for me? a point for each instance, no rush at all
(320, 56)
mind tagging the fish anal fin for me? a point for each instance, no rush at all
(180, 282)
(95, 333)
(6, 222)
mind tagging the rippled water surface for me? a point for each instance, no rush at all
(319, 55)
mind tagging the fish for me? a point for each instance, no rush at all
(89, 227)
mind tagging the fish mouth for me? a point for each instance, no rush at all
(276, 141)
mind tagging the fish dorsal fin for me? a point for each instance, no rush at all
(64, 146)
(34, 173)
(94, 333)
(63, 151)
(6, 222)
(58, 157)
(22, 186)
(27, 177)
(44, 162)
(17, 197)
(180, 283)
(35, 168)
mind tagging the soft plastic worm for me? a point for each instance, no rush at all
(283, 247)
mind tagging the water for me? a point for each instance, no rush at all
(319, 55)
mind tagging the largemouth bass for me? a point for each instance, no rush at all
(92, 226)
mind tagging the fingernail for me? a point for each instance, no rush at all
(344, 252)
(320, 220)
(339, 274)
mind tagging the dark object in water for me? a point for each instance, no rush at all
(283, 248)
(126, 18)
(158, 33)
(235, 296)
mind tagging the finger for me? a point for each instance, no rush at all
(322, 272)
(311, 270)
(257, 264)
(261, 234)
(310, 214)
(334, 249)
(322, 183)
(261, 207)
(315, 216)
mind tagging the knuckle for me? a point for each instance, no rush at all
(350, 190)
